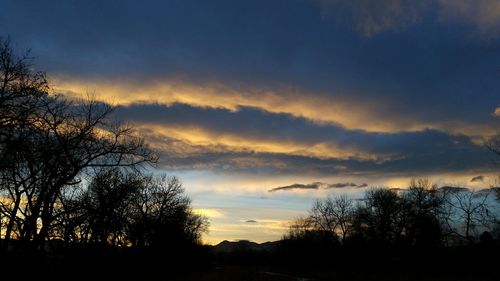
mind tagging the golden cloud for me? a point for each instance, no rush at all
(210, 213)
(497, 112)
(370, 115)
(193, 140)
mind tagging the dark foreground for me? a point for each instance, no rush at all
(475, 262)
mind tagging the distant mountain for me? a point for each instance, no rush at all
(244, 245)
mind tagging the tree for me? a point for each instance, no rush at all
(47, 144)
(21, 91)
(333, 215)
(467, 211)
(161, 214)
(298, 228)
(124, 208)
(423, 209)
(381, 218)
(106, 204)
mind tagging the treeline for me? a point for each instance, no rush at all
(422, 214)
(71, 176)
(422, 232)
(422, 226)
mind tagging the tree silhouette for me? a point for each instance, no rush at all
(161, 214)
(424, 212)
(381, 217)
(106, 204)
(467, 210)
(47, 143)
(333, 215)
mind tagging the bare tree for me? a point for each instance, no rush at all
(47, 143)
(298, 228)
(423, 212)
(21, 90)
(381, 217)
(333, 215)
(161, 214)
(467, 211)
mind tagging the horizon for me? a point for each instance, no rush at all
(260, 108)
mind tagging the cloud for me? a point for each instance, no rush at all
(254, 141)
(482, 14)
(320, 108)
(477, 179)
(372, 17)
(497, 112)
(349, 110)
(252, 87)
(341, 185)
(346, 184)
(316, 185)
(210, 213)
(251, 221)
(297, 186)
(257, 54)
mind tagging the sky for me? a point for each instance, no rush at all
(262, 106)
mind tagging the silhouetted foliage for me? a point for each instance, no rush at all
(47, 145)
(421, 216)
(424, 211)
(123, 208)
(468, 212)
(333, 215)
(106, 206)
(380, 218)
(161, 215)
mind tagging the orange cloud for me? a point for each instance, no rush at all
(192, 140)
(370, 115)
(210, 213)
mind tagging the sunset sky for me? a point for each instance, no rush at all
(318, 97)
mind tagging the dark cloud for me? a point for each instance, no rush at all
(341, 185)
(251, 221)
(346, 184)
(409, 153)
(297, 186)
(477, 179)
(371, 18)
(489, 191)
(317, 185)
(251, 122)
